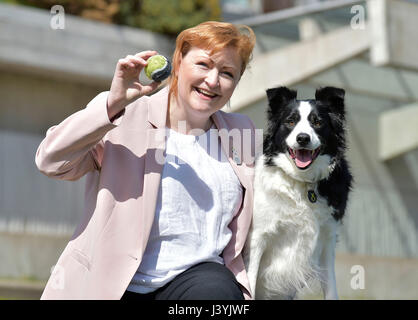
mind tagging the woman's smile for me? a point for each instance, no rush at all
(206, 94)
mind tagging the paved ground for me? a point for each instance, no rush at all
(20, 289)
(384, 278)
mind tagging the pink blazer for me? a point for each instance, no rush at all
(120, 159)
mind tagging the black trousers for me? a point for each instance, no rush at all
(204, 281)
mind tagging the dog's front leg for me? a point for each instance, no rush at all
(253, 252)
(327, 264)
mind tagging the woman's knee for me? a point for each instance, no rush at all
(206, 281)
(216, 290)
(214, 282)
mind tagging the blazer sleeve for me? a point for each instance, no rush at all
(75, 146)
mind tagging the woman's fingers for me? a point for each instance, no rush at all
(125, 64)
(136, 60)
(140, 57)
(146, 54)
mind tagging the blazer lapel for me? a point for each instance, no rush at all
(231, 149)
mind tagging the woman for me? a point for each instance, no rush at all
(164, 218)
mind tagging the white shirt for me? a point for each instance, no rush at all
(198, 197)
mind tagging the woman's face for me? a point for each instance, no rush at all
(206, 82)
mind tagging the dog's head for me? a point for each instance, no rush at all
(305, 137)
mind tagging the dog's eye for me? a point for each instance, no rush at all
(317, 124)
(291, 123)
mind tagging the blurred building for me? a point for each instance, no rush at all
(369, 48)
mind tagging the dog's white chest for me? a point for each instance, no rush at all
(293, 220)
(281, 201)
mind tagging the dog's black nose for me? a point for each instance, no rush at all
(303, 139)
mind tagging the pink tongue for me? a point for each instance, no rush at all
(303, 158)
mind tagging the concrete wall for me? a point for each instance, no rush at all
(394, 26)
(368, 278)
(84, 51)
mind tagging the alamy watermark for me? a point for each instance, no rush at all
(57, 277)
(58, 19)
(241, 145)
(358, 21)
(358, 280)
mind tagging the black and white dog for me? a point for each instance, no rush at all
(301, 187)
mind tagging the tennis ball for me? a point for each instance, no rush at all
(158, 68)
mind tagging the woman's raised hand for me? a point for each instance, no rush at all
(125, 86)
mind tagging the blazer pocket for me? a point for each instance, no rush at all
(81, 258)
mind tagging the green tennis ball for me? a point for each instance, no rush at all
(158, 68)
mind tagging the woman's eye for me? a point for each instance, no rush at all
(229, 74)
(203, 64)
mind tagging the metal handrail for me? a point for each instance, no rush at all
(295, 12)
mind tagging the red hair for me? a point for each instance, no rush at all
(213, 36)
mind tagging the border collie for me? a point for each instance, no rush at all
(301, 186)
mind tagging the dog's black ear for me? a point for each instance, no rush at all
(280, 96)
(334, 97)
